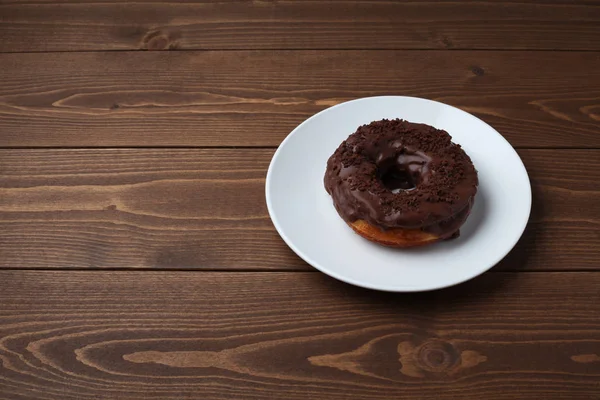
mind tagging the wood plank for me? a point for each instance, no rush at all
(205, 209)
(257, 98)
(174, 335)
(115, 25)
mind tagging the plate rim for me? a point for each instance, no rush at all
(358, 283)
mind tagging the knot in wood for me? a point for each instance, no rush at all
(477, 71)
(436, 356)
(159, 40)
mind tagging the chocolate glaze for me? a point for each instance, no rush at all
(398, 174)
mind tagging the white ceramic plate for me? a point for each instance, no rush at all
(304, 216)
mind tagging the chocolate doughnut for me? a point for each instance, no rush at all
(401, 184)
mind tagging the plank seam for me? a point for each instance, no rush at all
(558, 50)
(258, 270)
(233, 147)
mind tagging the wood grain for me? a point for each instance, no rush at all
(257, 98)
(180, 335)
(115, 25)
(205, 209)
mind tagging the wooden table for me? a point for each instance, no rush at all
(137, 258)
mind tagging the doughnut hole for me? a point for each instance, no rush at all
(396, 178)
(403, 172)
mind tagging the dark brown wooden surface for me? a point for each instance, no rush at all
(33, 25)
(173, 335)
(182, 208)
(536, 99)
(137, 258)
